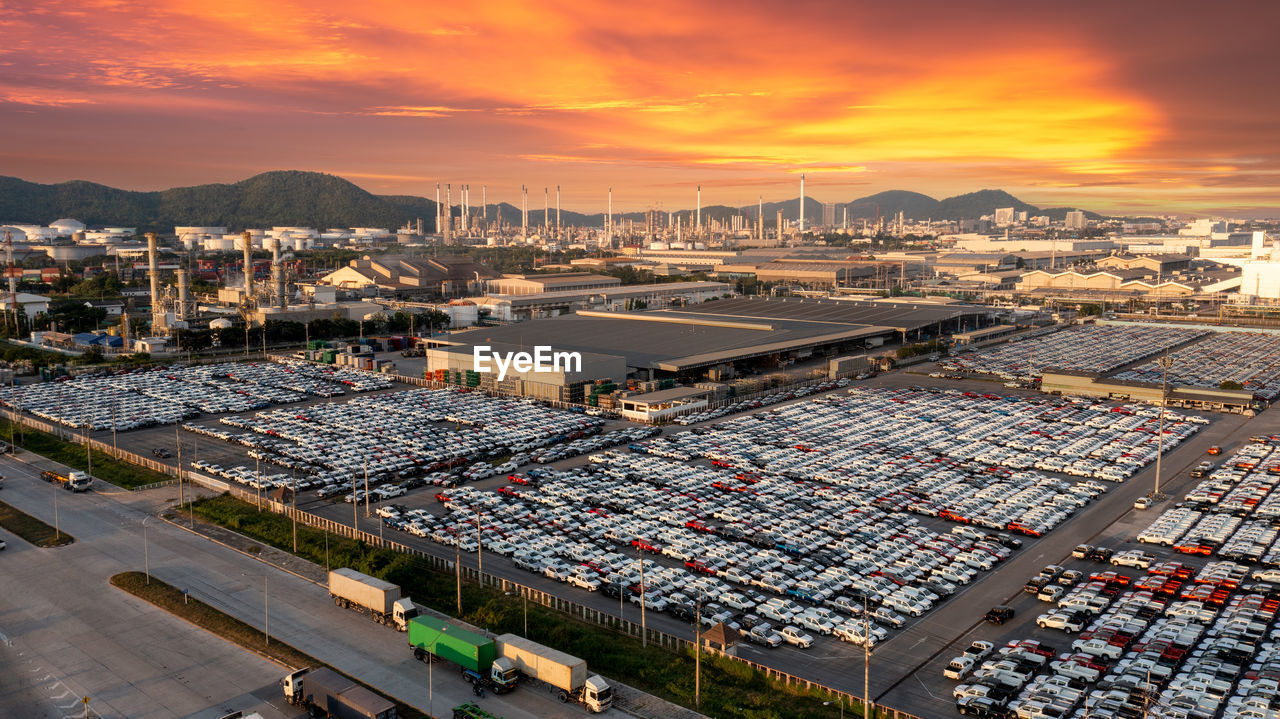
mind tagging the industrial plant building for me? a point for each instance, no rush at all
(720, 339)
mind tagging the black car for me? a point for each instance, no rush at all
(1100, 554)
(999, 614)
(162, 453)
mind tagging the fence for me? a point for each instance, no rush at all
(587, 614)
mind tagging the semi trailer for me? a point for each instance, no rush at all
(324, 690)
(500, 663)
(73, 480)
(381, 600)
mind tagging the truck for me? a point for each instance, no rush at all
(74, 480)
(566, 673)
(431, 639)
(381, 600)
(500, 663)
(324, 690)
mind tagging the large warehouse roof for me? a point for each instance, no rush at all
(715, 332)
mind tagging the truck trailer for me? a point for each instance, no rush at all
(74, 480)
(324, 690)
(432, 638)
(500, 663)
(566, 673)
(362, 593)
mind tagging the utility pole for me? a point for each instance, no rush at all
(644, 631)
(697, 653)
(479, 549)
(866, 661)
(178, 440)
(1165, 363)
(457, 566)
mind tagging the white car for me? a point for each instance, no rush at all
(795, 637)
(1059, 620)
(1133, 558)
(960, 666)
(1267, 575)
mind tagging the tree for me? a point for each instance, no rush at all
(1230, 384)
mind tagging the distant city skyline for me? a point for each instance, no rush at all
(1125, 108)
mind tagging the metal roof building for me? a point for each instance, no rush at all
(689, 339)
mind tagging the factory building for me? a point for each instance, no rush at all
(729, 337)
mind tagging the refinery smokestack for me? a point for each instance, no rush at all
(247, 245)
(448, 213)
(609, 224)
(779, 228)
(524, 213)
(184, 294)
(439, 229)
(484, 206)
(697, 223)
(802, 203)
(277, 272)
(760, 220)
(157, 307)
(558, 226)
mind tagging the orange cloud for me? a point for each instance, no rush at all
(713, 91)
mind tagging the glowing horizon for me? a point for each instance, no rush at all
(1122, 109)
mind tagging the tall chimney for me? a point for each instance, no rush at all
(247, 245)
(802, 203)
(760, 219)
(697, 223)
(157, 307)
(546, 211)
(438, 225)
(277, 273)
(184, 295)
(448, 213)
(484, 206)
(524, 213)
(558, 212)
(609, 225)
(779, 228)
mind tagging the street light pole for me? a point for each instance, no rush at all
(177, 439)
(479, 548)
(1165, 363)
(457, 566)
(146, 550)
(266, 611)
(644, 631)
(697, 653)
(866, 661)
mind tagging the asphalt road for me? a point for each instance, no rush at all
(66, 634)
(136, 661)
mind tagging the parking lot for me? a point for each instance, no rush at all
(1251, 359)
(1082, 348)
(895, 495)
(1194, 628)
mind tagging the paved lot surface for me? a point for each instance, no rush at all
(136, 661)
(905, 672)
(65, 633)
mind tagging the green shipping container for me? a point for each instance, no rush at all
(449, 641)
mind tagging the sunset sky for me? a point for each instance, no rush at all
(1113, 106)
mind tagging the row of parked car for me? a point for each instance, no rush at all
(1175, 642)
(764, 400)
(753, 542)
(133, 399)
(1232, 513)
(1251, 359)
(1083, 348)
(400, 435)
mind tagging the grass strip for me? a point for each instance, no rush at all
(31, 529)
(169, 598)
(105, 467)
(729, 688)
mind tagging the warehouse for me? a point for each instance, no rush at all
(724, 338)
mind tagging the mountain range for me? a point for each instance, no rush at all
(313, 199)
